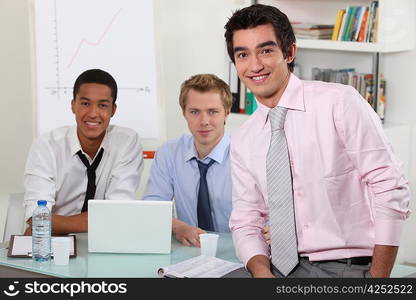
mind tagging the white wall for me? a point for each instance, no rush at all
(399, 69)
(16, 120)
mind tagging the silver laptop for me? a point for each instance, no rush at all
(129, 226)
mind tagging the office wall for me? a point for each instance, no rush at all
(190, 41)
(16, 121)
(401, 108)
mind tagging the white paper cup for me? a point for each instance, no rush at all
(61, 249)
(209, 243)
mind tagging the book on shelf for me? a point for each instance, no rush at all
(199, 267)
(357, 23)
(369, 90)
(381, 101)
(363, 83)
(373, 13)
(364, 24)
(337, 26)
(312, 30)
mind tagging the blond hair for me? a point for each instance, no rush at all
(204, 83)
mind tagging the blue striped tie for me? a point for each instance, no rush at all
(279, 186)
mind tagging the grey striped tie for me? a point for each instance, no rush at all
(279, 186)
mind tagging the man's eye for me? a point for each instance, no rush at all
(84, 103)
(103, 105)
(241, 55)
(267, 51)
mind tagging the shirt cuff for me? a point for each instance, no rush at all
(247, 249)
(387, 232)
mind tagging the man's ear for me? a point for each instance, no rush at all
(114, 109)
(72, 105)
(291, 53)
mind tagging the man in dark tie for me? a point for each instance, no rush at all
(92, 160)
(312, 161)
(194, 170)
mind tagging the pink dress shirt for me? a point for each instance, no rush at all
(349, 189)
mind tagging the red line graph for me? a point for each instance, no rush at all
(89, 43)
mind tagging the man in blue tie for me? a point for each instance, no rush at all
(194, 169)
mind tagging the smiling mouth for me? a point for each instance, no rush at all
(92, 124)
(259, 78)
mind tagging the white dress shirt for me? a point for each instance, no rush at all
(55, 173)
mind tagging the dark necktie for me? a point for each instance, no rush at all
(204, 207)
(91, 176)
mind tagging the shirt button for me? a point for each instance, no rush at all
(299, 194)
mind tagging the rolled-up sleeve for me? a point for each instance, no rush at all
(160, 184)
(249, 210)
(368, 148)
(126, 173)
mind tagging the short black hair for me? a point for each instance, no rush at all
(96, 76)
(260, 14)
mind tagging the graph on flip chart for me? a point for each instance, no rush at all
(117, 36)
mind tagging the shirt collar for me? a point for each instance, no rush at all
(292, 98)
(75, 145)
(219, 153)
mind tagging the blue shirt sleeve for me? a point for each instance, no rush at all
(160, 183)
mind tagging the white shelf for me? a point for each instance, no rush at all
(348, 46)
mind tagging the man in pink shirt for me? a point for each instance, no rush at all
(350, 197)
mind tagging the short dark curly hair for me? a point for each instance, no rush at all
(260, 14)
(96, 76)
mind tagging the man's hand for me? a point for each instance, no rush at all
(186, 234)
(266, 234)
(28, 230)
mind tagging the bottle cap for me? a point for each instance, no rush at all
(42, 202)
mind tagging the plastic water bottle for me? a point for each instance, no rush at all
(41, 232)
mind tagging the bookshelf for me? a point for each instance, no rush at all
(395, 23)
(395, 33)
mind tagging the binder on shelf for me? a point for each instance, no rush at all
(251, 104)
(242, 100)
(234, 84)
